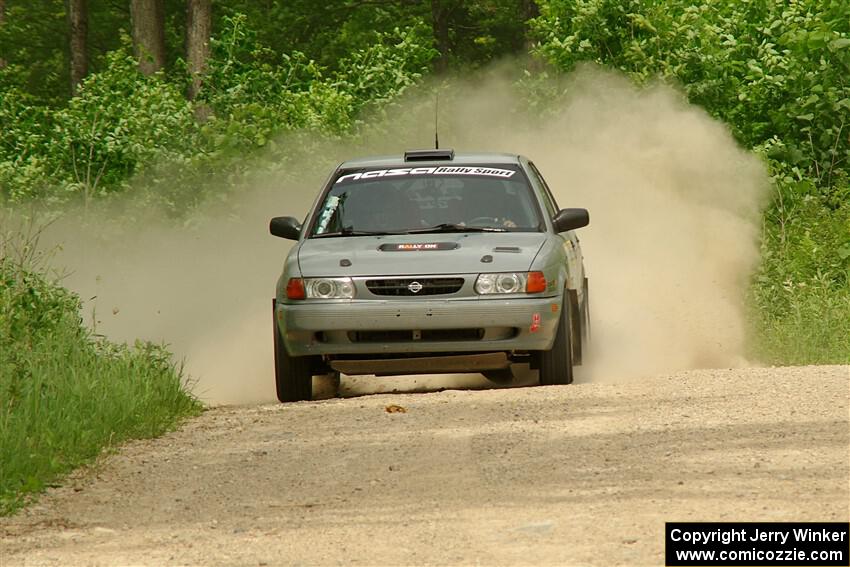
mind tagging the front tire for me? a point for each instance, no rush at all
(576, 324)
(556, 364)
(293, 374)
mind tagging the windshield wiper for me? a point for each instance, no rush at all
(453, 227)
(348, 231)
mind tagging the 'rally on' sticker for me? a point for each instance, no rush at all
(417, 246)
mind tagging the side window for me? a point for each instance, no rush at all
(551, 205)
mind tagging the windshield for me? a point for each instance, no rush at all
(425, 199)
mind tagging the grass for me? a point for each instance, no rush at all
(66, 395)
(813, 329)
(801, 295)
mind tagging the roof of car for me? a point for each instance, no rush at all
(476, 158)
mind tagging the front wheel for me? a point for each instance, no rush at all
(293, 374)
(576, 324)
(556, 364)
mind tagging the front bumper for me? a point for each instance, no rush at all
(363, 327)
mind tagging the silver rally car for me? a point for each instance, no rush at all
(431, 262)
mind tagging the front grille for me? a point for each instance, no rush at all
(406, 286)
(426, 335)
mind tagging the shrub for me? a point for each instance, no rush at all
(776, 73)
(65, 394)
(130, 133)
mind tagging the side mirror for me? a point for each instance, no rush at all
(570, 219)
(285, 227)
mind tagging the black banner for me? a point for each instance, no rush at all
(757, 543)
(418, 246)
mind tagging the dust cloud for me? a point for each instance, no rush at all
(674, 207)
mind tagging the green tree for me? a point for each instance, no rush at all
(198, 31)
(777, 73)
(33, 42)
(148, 20)
(78, 41)
(2, 20)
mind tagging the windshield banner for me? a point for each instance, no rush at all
(444, 170)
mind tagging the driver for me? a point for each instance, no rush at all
(391, 209)
(482, 207)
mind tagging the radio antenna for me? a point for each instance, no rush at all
(436, 115)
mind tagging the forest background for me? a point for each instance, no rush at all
(146, 100)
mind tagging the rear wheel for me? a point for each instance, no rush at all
(556, 364)
(585, 313)
(293, 374)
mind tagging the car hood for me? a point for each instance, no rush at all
(442, 253)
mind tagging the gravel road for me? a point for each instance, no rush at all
(563, 475)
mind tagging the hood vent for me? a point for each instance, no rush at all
(429, 155)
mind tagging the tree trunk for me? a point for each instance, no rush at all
(198, 29)
(530, 10)
(440, 25)
(78, 30)
(2, 21)
(148, 20)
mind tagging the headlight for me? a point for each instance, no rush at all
(510, 282)
(320, 288)
(329, 288)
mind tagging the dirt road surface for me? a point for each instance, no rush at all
(565, 475)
